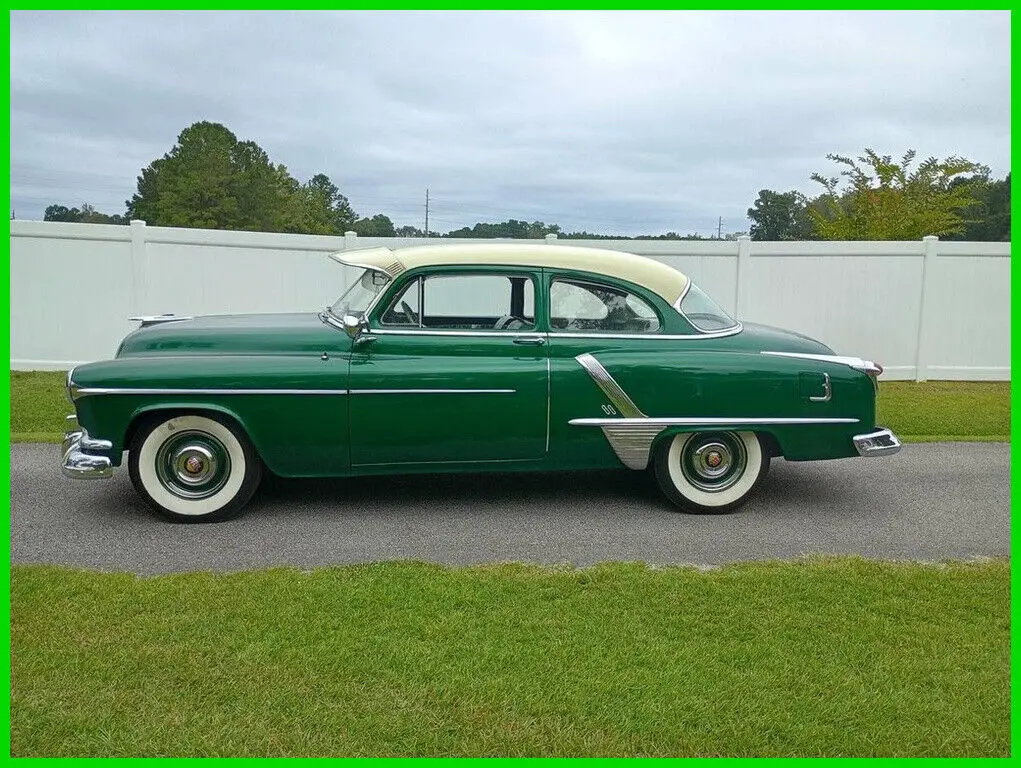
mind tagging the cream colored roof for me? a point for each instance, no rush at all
(654, 275)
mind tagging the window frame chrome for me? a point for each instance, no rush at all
(421, 274)
(554, 277)
(328, 313)
(736, 328)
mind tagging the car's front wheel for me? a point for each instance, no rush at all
(193, 468)
(710, 472)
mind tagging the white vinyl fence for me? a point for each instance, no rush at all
(925, 309)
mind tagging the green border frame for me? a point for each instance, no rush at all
(1015, 394)
(535, 5)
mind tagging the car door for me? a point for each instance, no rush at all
(606, 346)
(452, 369)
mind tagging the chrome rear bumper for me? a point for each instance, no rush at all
(882, 442)
(78, 460)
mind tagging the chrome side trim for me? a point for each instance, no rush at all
(84, 391)
(427, 332)
(147, 320)
(559, 335)
(660, 336)
(549, 393)
(632, 438)
(857, 363)
(451, 461)
(632, 444)
(617, 396)
(882, 442)
(705, 421)
(169, 391)
(432, 391)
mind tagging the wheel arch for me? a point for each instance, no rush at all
(150, 412)
(768, 439)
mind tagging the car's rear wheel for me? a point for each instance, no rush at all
(193, 468)
(710, 472)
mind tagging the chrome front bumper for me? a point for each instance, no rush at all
(882, 442)
(78, 459)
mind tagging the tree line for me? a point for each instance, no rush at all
(875, 197)
(212, 180)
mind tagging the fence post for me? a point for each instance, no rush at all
(744, 253)
(930, 247)
(350, 240)
(139, 271)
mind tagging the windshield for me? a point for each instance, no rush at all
(359, 294)
(704, 313)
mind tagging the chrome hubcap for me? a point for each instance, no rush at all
(713, 462)
(192, 465)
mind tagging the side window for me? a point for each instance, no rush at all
(479, 302)
(582, 306)
(405, 309)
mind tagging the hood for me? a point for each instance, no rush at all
(233, 335)
(766, 338)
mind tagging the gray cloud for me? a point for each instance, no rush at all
(611, 122)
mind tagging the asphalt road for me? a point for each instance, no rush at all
(932, 501)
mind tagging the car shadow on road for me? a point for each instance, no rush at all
(509, 487)
(616, 491)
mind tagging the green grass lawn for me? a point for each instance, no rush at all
(820, 657)
(38, 406)
(946, 410)
(928, 411)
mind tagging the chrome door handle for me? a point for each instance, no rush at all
(827, 389)
(533, 341)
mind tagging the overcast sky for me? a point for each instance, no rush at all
(619, 122)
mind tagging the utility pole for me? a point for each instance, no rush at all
(719, 229)
(427, 212)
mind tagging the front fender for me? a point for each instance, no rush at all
(294, 409)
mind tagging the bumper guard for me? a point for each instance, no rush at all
(882, 442)
(78, 461)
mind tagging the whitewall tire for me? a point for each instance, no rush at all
(193, 468)
(710, 472)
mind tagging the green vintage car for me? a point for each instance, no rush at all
(470, 358)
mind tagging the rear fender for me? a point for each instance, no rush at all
(767, 437)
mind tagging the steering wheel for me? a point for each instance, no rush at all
(506, 320)
(409, 313)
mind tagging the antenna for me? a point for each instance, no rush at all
(426, 234)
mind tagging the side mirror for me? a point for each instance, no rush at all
(355, 326)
